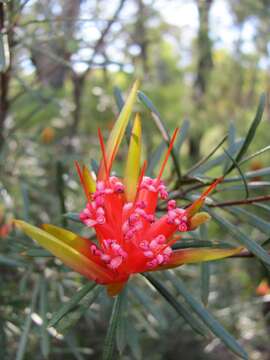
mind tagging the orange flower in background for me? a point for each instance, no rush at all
(263, 288)
(47, 135)
(5, 230)
(5, 224)
(255, 166)
(131, 238)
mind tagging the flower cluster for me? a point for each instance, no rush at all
(130, 236)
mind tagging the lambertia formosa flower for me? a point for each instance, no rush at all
(122, 211)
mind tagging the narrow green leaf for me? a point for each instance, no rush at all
(205, 270)
(207, 157)
(45, 340)
(71, 304)
(154, 159)
(60, 189)
(118, 98)
(3, 338)
(205, 282)
(185, 244)
(73, 316)
(133, 341)
(147, 303)
(256, 185)
(37, 252)
(120, 103)
(251, 132)
(7, 261)
(231, 144)
(72, 344)
(219, 160)
(121, 329)
(249, 175)
(94, 166)
(206, 317)
(241, 237)
(180, 308)
(110, 340)
(73, 216)
(27, 325)
(26, 202)
(161, 127)
(257, 153)
(240, 172)
(251, 219)
(182, 135)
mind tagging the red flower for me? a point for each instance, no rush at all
(131, 238)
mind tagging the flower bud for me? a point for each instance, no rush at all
(199, 219)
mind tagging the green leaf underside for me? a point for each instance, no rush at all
(22, 348)
(179, 307)
(241, 237)
(206, 317)
(205, 282)
(161, 127)
(68, 321)
(71, 304)
(45, 339)
(251, 132)
(110, 340)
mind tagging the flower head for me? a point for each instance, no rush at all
(131, 238)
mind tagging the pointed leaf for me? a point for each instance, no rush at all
(251, 132)
(161, 127)
(65, 251)
(241, 237)
(197, 204)
(71, 318)
(45, 339)
(121, 329)
(252, 219)
(73, 216)
(110, 340)
(188, 256)
(90, 183)
(187, 243)
(119, 128)
(259, 152)
(154, 159)
(27, 325)
(182, 135)
(132, 170)
(207, 157)
(147, 303)
(205, 282)
(71, 304)
(180, 308)
(206, 317)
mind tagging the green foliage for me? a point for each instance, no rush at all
(44, 307)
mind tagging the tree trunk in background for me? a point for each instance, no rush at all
(51, 58)
(204, 67)
(5, 76)
(141, 35)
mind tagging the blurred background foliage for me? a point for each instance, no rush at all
(65, 68)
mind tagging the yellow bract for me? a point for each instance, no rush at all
(90, 184)
(66, 248)
(187, 256)
(118, 130)
(199, 219)
(132, 170)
